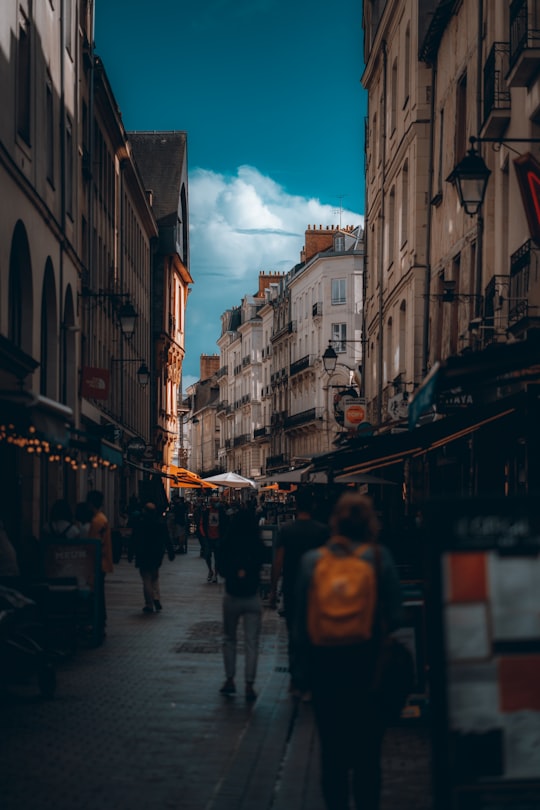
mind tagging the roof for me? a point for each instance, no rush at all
(161, 159)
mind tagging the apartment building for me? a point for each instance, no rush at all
(80, 364)
(451, 296)
(397, 211)
(162, 160)
(276, 401)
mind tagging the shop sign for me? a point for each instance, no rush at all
(136, 446)
(95, 383)
(454, 400)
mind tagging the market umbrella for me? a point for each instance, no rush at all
(232, 480)
(185, 479)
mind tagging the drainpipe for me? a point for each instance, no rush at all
(429, 226)
(63, 341)
(380, 364)
(479, 217)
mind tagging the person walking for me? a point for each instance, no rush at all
(240, 557)
(295, 538)
(340, 671)
(151, 540)
(61, 525)
(212, 526)
(100, 530)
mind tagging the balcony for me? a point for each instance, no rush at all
(303, 418)
(496, 91)
(246, 361)
(299, 365)
(524, 43)
(518, 295)
(288, 329)
(245, 399)
(222, 372)
(316, 310)
(262, 433)
(278, 418)
(222, 406)
(244, 438)
(274, 463)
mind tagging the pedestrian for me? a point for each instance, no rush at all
(212, 526)
(150, 542)
(83, 518)
(294, 539)
(61, 525)
(240, 557)
(101, 530)
(340, 673)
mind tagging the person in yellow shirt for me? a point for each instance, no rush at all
(101, 530)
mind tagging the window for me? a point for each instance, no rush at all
(407, 78)
(393, 98)
(68, 10)
(69, 168)
(390, 227)
(23, 80)
(461, 119)
(404, 203)
(339, 291)
(49, 130)
(339, 336)
(339, 244)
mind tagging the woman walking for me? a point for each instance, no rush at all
(240, 557)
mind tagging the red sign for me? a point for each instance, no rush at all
(528, 175)
(95, 383)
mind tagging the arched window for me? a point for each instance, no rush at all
(20, 305)
(48, 371)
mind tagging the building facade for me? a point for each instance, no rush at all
(80, 382)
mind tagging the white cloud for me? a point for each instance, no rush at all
(239, 225)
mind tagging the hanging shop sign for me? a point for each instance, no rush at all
(344, 399)
(95, 383)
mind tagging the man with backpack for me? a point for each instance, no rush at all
(295, 538)
(348, 600)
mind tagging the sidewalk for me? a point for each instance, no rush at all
(139, 723)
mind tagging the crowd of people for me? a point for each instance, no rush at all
(334, 676)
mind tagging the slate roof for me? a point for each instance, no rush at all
(160, 157)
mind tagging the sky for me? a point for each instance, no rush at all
(269, 94)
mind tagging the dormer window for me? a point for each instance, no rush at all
(339, 244)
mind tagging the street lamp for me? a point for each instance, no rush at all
(329, 359)
(470, 178)
(127, 317)
(125, 311)
(143, 372)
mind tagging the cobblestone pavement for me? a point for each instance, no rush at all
(139, 723)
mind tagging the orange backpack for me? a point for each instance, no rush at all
(342, 596)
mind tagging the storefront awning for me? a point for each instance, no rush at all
(387, 450)
(477, 375)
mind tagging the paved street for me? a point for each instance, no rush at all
(139, 722)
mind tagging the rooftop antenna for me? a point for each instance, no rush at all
(339, 210)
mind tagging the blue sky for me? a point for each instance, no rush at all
(269, 94)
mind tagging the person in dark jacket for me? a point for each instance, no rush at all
(150, 542)
(240, 557)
